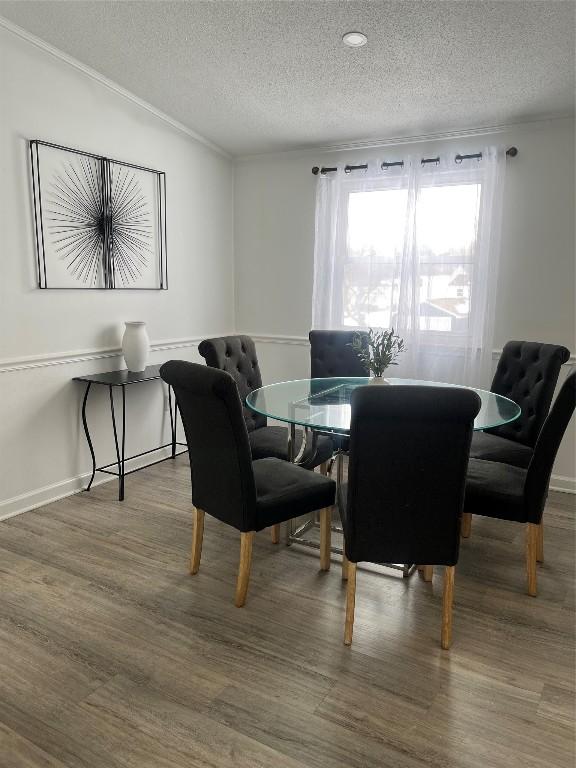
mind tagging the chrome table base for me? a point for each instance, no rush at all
(298, 535)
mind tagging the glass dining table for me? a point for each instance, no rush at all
(322, 406)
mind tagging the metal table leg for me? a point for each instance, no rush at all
(298, 536)
(123, 441)
(339, 470)
(118, 467)
(292, 443)
(119, 457)
(87, 433)
(291, 457)
(173, 419)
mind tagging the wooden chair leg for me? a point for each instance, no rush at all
(345, 563)
(197, 536)
(427, 572)
(540, 551)
(350, 603)
(447, 601)
(325, 538)
(324, 468)
(275, 533)
(466, 526)
(246, 540)
(531, 556)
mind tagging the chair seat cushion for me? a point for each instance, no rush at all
(493, 448)
(267, 442)
(494, 489)
(284, 491)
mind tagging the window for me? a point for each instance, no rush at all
(446, 221)
(414, 248)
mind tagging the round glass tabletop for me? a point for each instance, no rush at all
(325, 403)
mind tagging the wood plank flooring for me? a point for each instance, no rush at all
(112, 655)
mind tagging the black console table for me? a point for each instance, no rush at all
(122, 379)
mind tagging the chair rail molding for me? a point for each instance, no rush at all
(41, 496)
(27, 362)
(267, 338)
(302, 341)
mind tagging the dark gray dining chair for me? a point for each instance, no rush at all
(407, 470)
(502, 491)
(226, 483)
(332, 356)
(527, 373)
(237, 356)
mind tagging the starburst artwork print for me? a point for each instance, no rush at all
(98, 220)
(99, 223)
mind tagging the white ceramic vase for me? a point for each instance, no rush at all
(378, 380)
(136, 345)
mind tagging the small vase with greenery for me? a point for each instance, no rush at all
(377, 350)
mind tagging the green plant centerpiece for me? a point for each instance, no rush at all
(377, 350)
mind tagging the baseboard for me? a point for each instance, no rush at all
(563, 484)
(50, 493)
(17, 505)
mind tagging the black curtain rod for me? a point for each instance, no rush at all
(510, 152)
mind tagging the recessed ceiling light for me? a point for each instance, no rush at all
(354, 39)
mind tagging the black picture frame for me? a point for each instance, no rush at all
(99, 223)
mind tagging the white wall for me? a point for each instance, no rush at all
(47, 337)
(274, 239)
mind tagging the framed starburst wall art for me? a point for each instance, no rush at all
(99, 223)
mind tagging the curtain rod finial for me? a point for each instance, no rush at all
(512, 151)
(315, 170)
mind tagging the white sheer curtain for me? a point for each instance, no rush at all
(415, 247)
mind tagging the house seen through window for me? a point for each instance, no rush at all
(439, 230)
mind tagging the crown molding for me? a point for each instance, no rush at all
(110, 84)
(397, 141)
(330, 147)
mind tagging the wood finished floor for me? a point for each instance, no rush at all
(112, 655)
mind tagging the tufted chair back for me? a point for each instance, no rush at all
(332, 356)
(409, 448)
(220, 458)
(237, 356)
(547, 445)
(527, 373)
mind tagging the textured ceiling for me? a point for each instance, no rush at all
(266, 76)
